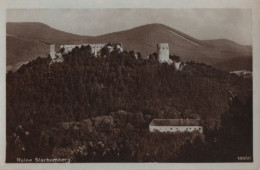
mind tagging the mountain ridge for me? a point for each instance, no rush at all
(142, 38)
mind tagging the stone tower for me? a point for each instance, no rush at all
(163, 52)
(52, 51)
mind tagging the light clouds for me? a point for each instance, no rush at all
(233, 24)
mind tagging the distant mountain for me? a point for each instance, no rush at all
(221, 53)
(20, 49)
(41, 32)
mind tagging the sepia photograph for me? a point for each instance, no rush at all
(129, 85)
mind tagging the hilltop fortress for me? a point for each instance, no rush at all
(163, 54)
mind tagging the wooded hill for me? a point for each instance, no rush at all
(44, 95)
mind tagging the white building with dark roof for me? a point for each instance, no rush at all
(175, 125)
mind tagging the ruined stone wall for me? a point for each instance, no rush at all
(68, 48)
(95, 48)
(52, 51)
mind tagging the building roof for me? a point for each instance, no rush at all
(175, 122)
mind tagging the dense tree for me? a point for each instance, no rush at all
(104, 51)
(175, 58)
(139, 56)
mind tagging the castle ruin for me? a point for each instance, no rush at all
(163, 52)
(95, 50)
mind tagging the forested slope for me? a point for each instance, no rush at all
(40, 96)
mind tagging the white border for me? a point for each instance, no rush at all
(253, 4)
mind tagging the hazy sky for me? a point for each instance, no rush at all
(233, 24)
